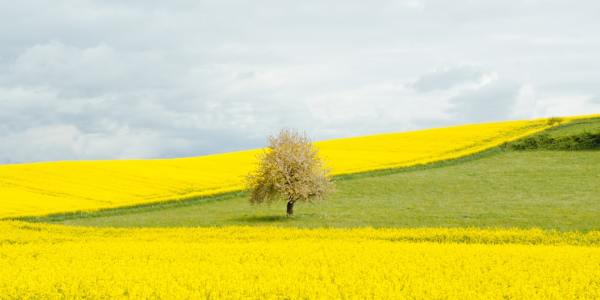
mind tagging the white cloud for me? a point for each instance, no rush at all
(113, 79)
(567, 105)
(450, 78)
(492, 101)
(526, 103)
(94, 70)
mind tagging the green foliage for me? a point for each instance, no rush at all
(582, 141)
(555, 121)
(575, 127)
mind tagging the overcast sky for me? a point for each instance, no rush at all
(146, 79)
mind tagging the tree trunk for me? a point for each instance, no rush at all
(290, 208)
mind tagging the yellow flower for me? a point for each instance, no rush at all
(46, 261)
(56, 187)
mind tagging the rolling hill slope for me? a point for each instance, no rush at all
(554, 190)
(58, 187)
(499, 188)
(496, 188)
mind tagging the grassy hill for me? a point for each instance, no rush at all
(498, 188)
(40, 189)
(501, 187)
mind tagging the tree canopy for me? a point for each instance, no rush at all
(291, 170)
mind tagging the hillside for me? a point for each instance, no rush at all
(59, 187)
(500, 188)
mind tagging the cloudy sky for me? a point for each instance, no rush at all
(87, 79)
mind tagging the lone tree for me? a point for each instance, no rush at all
(289, 169)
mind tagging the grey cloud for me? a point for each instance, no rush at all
(89, 71)
(114, 79)
(493, 101)
(448, 78)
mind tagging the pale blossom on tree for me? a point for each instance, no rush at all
(290, 169)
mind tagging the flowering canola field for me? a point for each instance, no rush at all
(48, 261)
(42, 261)
(58, 187)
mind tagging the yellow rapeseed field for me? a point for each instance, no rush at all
(57, 187)
(42, 261)
(58, 262)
